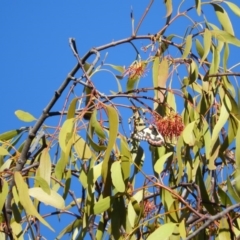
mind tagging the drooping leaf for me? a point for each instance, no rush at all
(207, 41)
(24, 116)
(223, 18)
(81, 147)
(4, 151)
(193, 72)
(199, 48)
(162, 78)
(53, 199)
(96, 125)
(113, 131)
(233, 7)
(72, 109)
(126, 160)
(188, 135)
(76, 224)
(198, 7)
(26, 200)
(3, 192)
(224, 229)
(232, 191)
(225, 56)
(66, 133)
(224, 114)
(39, 181)
(168, 4)
(155, 72)
(45, 166)
(117, 178)
(165, 231)
(225, 37)
(102, 205)
(11, 134)
(159, 165)
(188, 46)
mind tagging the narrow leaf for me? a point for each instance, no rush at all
(113, 131)
(3, 151)
(225, 37)
(26, 200)
(117, 178)
(168, 4)
(53, 199)
(188, 46)
(165, 231)
(233, 7)
(223, 18)
(102, 205)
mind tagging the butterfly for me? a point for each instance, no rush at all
(149, 134)
(146, 133)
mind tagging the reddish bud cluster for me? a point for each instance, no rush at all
(136, 70)
(169, 126)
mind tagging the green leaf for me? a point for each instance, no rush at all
(53, 199)
(193, 72)
(66, 133)
(159, 165)
(225, 200)
(117, 178)
(113, 131)
(76, 224)
(39, 181)
(223, 18)
(188, 135)
(204, 193)
(26, 200)
(11, 134)
(215, 60)
(232, 191)
(182, 229)
(45, 166)
(96, 125)
(17, 230)
(4, 151)
(3, 192)
(72, 109)
(126, 159)
(199, 48)
(24, 116)
(238, 148)
(207, 41)
(83, 178)
(168, 4)
(188, 46)
(225, 56)
(165, 231)
(233, 7)
(224, 229)
(67, 183)
(102, 205)
(198, 7)
(162, 77)
(82, 149)
(155, 71)
(224, 114)
(225, 37)
(118, 68)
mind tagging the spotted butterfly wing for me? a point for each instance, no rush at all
(149, 134)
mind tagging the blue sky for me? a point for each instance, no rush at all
(35, 56)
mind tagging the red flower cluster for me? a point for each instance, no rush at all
(169, 126)
(136, 70)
